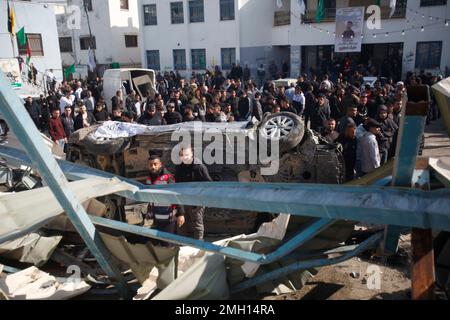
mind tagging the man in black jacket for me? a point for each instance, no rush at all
(320, 113)
(151, 117)
(34, 110)
(172, 116)
(191, 170)
(347, 139)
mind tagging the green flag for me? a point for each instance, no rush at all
(320, 14)
(115, 65)
(21, 37)
(69, 70)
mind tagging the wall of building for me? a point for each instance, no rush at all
(253, 31)
(36, 18)
(304, 36)
(109, 25)
(211, 35)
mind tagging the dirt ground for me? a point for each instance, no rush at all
(351, 279)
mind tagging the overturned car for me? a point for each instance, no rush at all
(231, 152)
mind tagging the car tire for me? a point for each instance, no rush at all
(285, 127)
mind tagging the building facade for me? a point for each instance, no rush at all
(113, 25)
(39, 22)
(188, 35)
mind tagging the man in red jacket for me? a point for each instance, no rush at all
(56, 129)
(165, 218)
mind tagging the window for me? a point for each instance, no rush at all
(428, 55)
(226, 10)
(124, 5)
(429, 3)
(150, 15)
(179, 59)
(88, 5)
(176, 12)
(153, 60)
(35, 41)
(65, 44)
(228, 57)
(131, 41)
(196, 11)
(87, 42)
(198, 57)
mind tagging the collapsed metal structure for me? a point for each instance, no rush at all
(394, 201)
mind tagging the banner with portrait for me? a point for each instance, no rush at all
(349, 27)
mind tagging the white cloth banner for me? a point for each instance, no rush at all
(392, 4)
(91, 60)
(349, 26)
(279, 4)
(301, 4)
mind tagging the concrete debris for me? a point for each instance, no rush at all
(34, 284)
(32, 248)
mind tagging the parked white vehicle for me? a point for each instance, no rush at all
(141, 80)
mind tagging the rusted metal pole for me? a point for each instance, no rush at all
(422, 270)
(422, 273)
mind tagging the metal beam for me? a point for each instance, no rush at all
(302, 237)
(303, 265)
(410, 137)
(371, 204)
(28, 135)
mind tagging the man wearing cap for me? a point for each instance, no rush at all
(368, 147)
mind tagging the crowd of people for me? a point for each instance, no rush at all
(363, 118)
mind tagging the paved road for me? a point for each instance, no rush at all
(437, 142)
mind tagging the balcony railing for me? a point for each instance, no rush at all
(330, 13)
(281, 18)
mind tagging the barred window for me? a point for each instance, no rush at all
(226, 10)
(35, 41)
(150, 18)
(131, 41)
(196, 11)
(153, 60)
(87, 42)
(428, 55)
(179, 59)
(176, 12)
(65, 44)
(228, 57)
(198, 59)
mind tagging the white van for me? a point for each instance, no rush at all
(141, 80)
